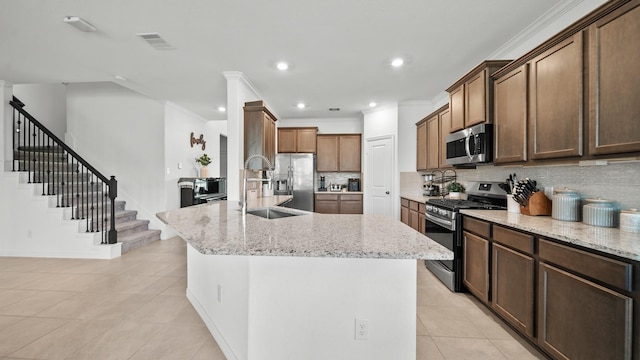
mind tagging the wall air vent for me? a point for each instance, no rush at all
(156, 41)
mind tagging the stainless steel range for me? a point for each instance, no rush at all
(444, 225)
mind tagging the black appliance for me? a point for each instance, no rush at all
(471, 145)
(354, 184)
(443, 224)
(194, 191)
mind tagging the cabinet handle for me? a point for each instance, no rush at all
(387, 193)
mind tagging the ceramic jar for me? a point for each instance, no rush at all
(566, 205)
(600, 212)
(630, 220)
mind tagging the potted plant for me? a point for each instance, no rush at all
(204, 160)
(455, 189)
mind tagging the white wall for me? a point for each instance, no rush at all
(6, 129)
(179, 156)
(239, 91)
(47, 103)
(326, 125)
(121, 133)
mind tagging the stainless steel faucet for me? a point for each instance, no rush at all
(243, 203)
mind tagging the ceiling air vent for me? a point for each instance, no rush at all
(156, 41)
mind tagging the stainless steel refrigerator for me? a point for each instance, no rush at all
(294, 175)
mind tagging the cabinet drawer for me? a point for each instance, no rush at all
(422, 208)
(613, 272)
(327, 197)
(351, 197)
(404, 202)
(413, 205)
(515, 239)
(479, 227)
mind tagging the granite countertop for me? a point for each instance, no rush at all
(607, 240)
(218, 228)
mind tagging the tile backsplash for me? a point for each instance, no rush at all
(618, 181)
(341, 178)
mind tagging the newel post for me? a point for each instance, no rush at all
(113, 193)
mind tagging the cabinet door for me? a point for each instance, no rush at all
(614, 83)
(327, 204)
(510, 116)
(578, 319)
(350, 207)
(414, 220)
(512, 284)
(556, 104)
(476, 265)
(306, 140)
(445, 127)
(404, 215)
(456, 106)
(350, 153)
(327, 153)
(422, 225)
(286, 140)
(433, 143)
(475, 99)
(269, 144)
(421, 146)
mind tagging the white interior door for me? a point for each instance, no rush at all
(379, 176)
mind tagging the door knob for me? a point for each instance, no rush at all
(387, 193)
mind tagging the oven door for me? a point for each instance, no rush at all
(442, 232)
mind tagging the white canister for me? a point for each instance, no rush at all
(600, 212)
(630, 221)
(566, 205)
(512, 205)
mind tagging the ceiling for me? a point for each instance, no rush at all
(339, 51)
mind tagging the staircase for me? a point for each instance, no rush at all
(67, 182)
(70, 188)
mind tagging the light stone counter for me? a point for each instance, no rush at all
(295, 287)
(607, 240)
(218, 228)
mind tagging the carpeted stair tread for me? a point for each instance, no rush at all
(133, 241)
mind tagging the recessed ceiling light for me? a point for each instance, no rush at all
(221, 109)
(301, 105)
(372, 104)
(79, 23)
(282, 66)
(397, 62)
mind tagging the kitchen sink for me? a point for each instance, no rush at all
(270, 213)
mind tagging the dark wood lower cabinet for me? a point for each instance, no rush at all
(512, 287)
(578, 319)
(476, 265)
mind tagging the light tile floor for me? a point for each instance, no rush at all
(134, 307)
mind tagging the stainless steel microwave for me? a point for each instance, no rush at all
(471, 145)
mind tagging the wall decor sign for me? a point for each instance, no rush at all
(199, 140)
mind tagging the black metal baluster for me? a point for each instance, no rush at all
(47, 170)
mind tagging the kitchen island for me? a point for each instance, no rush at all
(312, 286)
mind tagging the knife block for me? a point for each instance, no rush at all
(539, 204)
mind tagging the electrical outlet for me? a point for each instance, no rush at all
(362, 329)
(219, 293)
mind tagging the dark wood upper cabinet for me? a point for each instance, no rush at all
(614, 82)
(556, 102)
(510, 116)
(259, 134)
(297, 140)
(445, 128)
(471, 97)
(421, 145)
(433, 142)
(339, 152)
